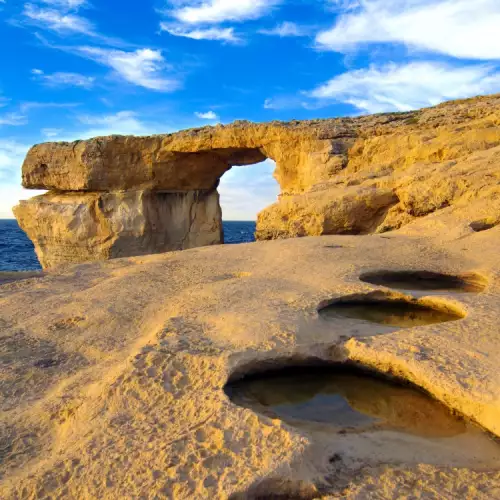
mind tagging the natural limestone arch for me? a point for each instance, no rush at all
(119, 196)
(122, 196)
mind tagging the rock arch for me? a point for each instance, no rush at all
(121, 196)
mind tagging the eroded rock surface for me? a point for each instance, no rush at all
(340, 176)
(112, 374)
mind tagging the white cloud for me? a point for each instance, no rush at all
(407, 86)
(67, 4)
(204, 14)
(121, 123)
(59, 21)
(218, 11)
(51, 133)
(62, 79)
(13, 119)
(286, 29)
(142, 67)
(209, 115)
(459, 28)
(221, 34)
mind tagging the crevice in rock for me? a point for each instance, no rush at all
(484, 224)
(279, 489)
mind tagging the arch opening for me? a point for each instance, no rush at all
(246, 189)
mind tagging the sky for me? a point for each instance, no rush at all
(74, 69)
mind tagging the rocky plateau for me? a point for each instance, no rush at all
(120, 371)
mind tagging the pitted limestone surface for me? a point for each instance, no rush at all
(391, 311)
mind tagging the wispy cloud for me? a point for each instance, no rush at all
(51, 133)
(27, 106)
(206, 19)
(62, 79)
(63, 17)
(458, 28)
(67, 4)
(289, 102)
(209, 115)
(121, 123)
(61, 22)
(13, 119)
(404, 87)
(287, 29)
(218, 11)
(220, 34)
(142, 67)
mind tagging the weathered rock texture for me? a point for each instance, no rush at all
(339, 176)
(95, 226)
(112, 373)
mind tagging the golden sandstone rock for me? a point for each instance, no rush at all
(114, 374)
(79, 227)
(338, 176)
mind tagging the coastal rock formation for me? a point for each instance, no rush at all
(77, 227)
(339, 176)
(113, 373)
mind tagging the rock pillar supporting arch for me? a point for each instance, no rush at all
(80, 227)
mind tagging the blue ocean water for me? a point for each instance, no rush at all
(18, 254)
(239, 232)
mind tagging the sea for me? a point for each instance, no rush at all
(18, 254)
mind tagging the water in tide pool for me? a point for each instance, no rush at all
(18, 254)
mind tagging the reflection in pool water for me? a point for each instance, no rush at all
(345, 401)
(391, 312)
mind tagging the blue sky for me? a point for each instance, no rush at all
(78, 68)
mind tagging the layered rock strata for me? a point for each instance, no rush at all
(339, 176)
